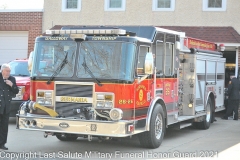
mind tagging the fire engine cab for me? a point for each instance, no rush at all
(120, 81)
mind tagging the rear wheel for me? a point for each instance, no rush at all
(66, 137)
(205, 124)
(153, 138)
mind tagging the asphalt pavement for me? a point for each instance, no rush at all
(220, 141)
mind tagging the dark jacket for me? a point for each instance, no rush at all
(6, 94)
(233, 89)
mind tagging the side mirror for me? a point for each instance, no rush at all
(30, 59)
(149, 63)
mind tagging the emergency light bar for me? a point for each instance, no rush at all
(88, 31)
(78, 36)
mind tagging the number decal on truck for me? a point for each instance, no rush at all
(125, 101)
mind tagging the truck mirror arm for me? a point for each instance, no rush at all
(140, 79)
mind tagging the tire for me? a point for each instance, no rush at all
(153, 138)
(66, 137)
(205, 124)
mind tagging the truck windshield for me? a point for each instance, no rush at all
(107, 60)
(49, 56)
(19, 68)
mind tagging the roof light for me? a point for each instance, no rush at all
(86, 31)
(62, 32)
(57, 32)
(78, 36)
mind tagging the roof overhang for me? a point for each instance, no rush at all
(21, 10)
(181, 34)
(229, 44)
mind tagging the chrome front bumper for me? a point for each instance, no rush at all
(73, 126)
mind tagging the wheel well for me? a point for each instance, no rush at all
(212, 97)
(160, 101)
(150, 111)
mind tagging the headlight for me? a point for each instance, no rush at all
(45, 97)
(116, 114)
(100, 97)
(48, 94)
(104, 100)
(22, 90)
(20, 94)
(108, 105)
(106, 96)
(40, 101)
(48, 102)
(100, 104)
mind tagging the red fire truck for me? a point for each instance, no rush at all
(110, 82)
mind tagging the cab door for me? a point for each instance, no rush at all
(144, 89)
(167, 74)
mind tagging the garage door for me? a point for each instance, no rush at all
(13, 45)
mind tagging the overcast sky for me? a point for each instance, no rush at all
(21, 4)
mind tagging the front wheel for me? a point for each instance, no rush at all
(66, 137)
(153, 138)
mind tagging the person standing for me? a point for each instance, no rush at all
(233, 97)
(8, 89)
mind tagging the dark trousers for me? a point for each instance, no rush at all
(232, 107)
(4, 119)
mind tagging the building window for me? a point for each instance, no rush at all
(163, 5)
(71, 5)
(115, 5)
(214, 5)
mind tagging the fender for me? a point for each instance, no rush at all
(150, 110)
(209, 95)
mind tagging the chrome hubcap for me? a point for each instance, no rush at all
(158, 126)
(208, 116)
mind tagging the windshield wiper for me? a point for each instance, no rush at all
(58, 70)
(90, 73)
(22, 75)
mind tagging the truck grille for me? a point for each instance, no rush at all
(68, 109)
(74, 90)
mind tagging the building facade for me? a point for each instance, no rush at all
(219, 14)
(142, 12)
(18, 30)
